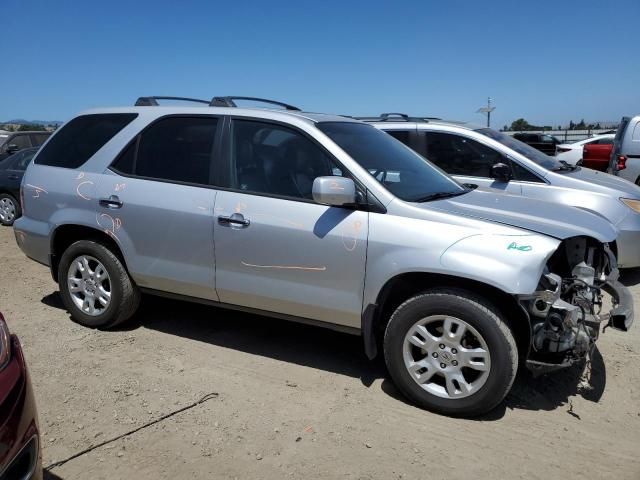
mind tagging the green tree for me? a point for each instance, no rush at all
(520, 124)
(28, 127)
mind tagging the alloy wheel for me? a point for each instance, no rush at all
(89, 285)
(446, 356)
(7, 210)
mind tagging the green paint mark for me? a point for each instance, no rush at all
(522, 248)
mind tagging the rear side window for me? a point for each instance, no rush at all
(81, 138)
(22, 141)
(38, 139)
(176, 149)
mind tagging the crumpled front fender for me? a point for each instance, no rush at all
(514, 263)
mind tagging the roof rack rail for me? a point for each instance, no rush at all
(396, 117)
(230, 102)
(153, 101)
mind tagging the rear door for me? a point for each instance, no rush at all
(276, 249)
(157, 201)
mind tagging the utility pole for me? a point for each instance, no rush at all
(488, 109)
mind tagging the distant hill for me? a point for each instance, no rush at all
(22, 121)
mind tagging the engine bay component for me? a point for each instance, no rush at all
(566, 310)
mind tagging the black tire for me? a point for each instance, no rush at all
(16, 206)
(485, 319)
(125, 296)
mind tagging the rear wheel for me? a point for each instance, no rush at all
(451, 352)
(95, 286)
(9, 209)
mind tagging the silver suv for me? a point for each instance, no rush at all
(625, 155)
(324, 220)
(497, 161)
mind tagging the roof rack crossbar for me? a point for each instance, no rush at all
(153, 101)
(396, 117)
(385, 116)
(230, 102)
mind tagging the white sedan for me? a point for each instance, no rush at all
(572, 152)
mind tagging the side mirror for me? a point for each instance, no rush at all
(12, 148)
(334, 191)
(501, 172)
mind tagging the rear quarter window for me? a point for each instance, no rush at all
(81, 138)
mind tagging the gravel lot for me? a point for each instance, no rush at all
(293, 401)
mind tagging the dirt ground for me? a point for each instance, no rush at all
(293, 401)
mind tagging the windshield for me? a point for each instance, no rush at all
(545, 161)
(398, 168)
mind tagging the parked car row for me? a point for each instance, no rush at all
(593, 152)
(329, 220)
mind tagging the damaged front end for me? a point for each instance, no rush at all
(566, 309)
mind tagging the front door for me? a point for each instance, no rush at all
(468, 160)
(276, 249)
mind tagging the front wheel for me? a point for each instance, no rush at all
(450, 352)
(95, 286)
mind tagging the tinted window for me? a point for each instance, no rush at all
(276, 160)
(604, 141)
(38, 139)
(522, 148)
(22, 141)
(522, 174)
(402, 135)
(81, 138)
(402, 171)
(25, 158)
(177, 149)
(458, 155)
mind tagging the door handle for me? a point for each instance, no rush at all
(112, 202)
(13, 177)
(234, 219)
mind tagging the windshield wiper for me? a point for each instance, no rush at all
(439, 195)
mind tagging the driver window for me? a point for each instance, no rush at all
(277, 160)
(458, 155)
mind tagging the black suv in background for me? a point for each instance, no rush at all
(541, 141)
(15, 141)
